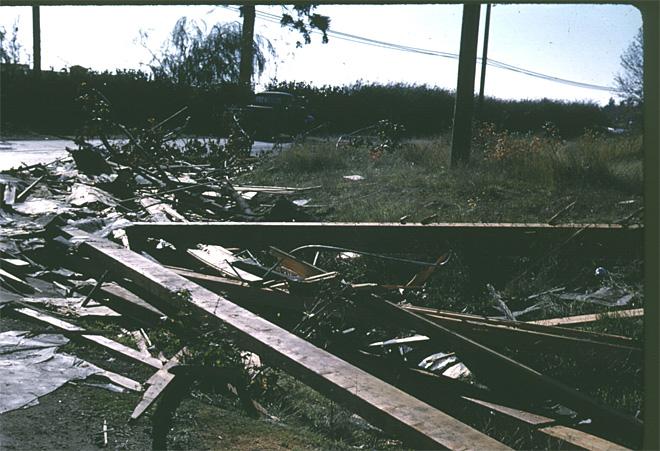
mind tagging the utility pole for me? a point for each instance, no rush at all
(247, 49)
(464, 104)
(36, 41)
(484, 60)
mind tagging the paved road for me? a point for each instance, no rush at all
(31, 151)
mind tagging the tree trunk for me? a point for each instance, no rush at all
(247, 49)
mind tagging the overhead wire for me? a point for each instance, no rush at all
(273, 18)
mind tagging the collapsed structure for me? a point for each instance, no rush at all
(177, 246)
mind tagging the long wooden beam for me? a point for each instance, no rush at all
(508, 374)
(380, 403)
(592, 318)
(484, 238)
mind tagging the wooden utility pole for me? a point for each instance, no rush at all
(247, 49)
(484, 60)
(36, 41)
(464, 104)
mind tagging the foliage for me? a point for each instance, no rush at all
(194, 57)
(306, 21)
(631, 81)
(424, 110)
(155, 143)
(10, 48)
(47, 105)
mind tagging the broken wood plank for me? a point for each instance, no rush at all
(160, 211)
(14, 264)
(376, 401)
(128, 303)
(485, 238)
(580, 439)
(586, 319)
(99, 340)
(242, 293)
(456, 395)
(547, 426)
(122, 381)
(506, 373)
(297, 265)
(158, 382)
(220, 259)
(512, 336)
(26, 192)
(16, 282)
(530, 326)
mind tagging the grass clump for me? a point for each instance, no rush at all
(512, 178)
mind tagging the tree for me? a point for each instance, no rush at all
(10, 49)
(630, 82)
(305, 22)
(194, 57)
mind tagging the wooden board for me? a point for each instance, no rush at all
(108, 344)
(300, 267)
(158, 382)
(376, 401)
(522, 325)
(586, 319)
(485, 238)
(580, 439)
(507, 374)
(220, 259)
(512, 336)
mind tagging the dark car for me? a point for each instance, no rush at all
(273, 114)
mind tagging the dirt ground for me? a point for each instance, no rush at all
(71, 417)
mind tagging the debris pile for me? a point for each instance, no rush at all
(133, 237)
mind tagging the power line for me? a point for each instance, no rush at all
(273, 18)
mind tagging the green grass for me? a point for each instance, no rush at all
(528, 181)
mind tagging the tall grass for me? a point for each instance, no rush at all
(512, 177)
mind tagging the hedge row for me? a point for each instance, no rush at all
(47, 105)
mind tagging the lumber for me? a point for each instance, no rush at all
(586, 319)
(522, 325)
(378, 402)
(121, 380)
(128, 303)
(242, 293)
(26, 192)
(300, 267)
(519, 239)
(580, 439)
(507, 373)
(99, 340)
(507, 335)
(16, 282)
(220, 259)
(158, 382)
(454, 394)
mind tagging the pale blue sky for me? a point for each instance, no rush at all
(577, 42)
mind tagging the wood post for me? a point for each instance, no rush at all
(36, 41)
(484, 61)
(247, 49)
(464, 104)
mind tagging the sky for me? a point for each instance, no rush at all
(581, 43)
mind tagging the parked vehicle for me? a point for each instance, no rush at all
(275, 115)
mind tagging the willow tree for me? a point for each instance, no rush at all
(197, 56)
